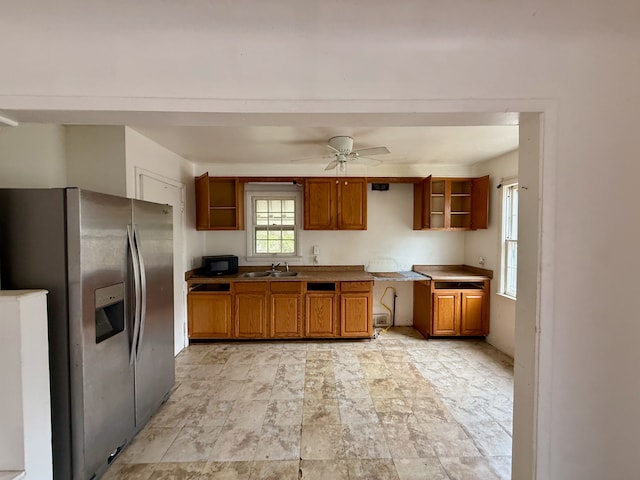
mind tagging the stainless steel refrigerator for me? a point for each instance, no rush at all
(107, 263)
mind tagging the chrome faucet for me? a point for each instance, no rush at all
(286, 266)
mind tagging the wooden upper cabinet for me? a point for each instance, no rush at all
(320, 204)
(335, 204)
(219, 203)
(451, 203)
(352, 204)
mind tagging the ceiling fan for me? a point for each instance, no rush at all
(343, 153)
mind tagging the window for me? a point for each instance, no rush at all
(510, 239)
(272, 220)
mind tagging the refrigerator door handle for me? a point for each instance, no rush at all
(143, 288)
(137, 292)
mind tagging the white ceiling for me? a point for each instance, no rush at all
(434, 145)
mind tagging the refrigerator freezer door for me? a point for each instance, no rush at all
(102, 379)
(154, 361)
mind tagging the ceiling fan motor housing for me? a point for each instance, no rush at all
(342, 143)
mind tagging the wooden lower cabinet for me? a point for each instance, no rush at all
(446, 313)
(473, 314)
(286, 310)
(281, 309)
(209, 315)
(451, 308)
(250, 310)
(320, 318)
(356, 309)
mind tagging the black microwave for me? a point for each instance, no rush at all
(215, 265)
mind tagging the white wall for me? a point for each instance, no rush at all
(486, 243)
(96, 158)
(32, 156)
(579, 64)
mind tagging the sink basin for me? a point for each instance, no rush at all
(255, 274)
(284, 274)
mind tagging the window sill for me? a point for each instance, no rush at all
(504, 295)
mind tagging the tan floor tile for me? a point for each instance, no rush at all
(372, 469)
(193, 444)
(226, 389)
(256, 390)
(236, 444)
(384, 387)
(320, 412)
(324, 469)
(420, 469)
(180, 471)
(150, 445)
(247, 413)
(279, 442)
(473, 468)
(322, 442)
(284, 412)
(365, 441)
(123, 471)
(209, 413)
(449, 439)
(490, 438)
(407, 441)
(228, 470)
(265, 470)
(357, 410)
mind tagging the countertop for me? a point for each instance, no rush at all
(350, 273)
(346, 273)
(454, 273)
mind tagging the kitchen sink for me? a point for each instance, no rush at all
(284, 274)
(255, 274)
(269, 274)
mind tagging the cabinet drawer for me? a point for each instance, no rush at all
(250, 287)
(286, 287)
(355, 286)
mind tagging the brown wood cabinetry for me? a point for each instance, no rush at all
(219, 203)
(321, 310)
(443, 308)
(451, 203)
(356, 315)
(209, 312)
(286, 309)
(281, 309)
(335, 204)
(250, 301)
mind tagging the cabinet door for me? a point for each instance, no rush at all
(320, 319)
(286, 315)
(473, 313)
(352, 204)
(422, 204)
(320, 204)
(250, 315)
(355, 315)
(209, 315)
(480, 203)
(446, 312)
(422, 307)
(202, 202)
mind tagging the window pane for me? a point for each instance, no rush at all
(511, 270)
(288, 206)
(262, 218)
(262, 206)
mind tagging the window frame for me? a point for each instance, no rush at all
(509, 239)
(271, 191)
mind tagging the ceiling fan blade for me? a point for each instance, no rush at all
(333, 148)
(372, 162)
(372, 151)
(333, 164)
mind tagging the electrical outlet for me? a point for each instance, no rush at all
(316, 250)
(481, 260)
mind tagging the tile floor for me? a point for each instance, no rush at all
(398, 407)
